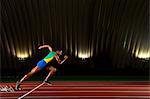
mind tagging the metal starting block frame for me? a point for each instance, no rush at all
(6, 89)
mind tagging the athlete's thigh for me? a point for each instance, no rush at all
(35, 69)
(52, 68)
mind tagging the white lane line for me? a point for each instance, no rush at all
(53, 84)
(31, 90)
(42, 97)
(63, 91)
(52, 87)
(92, 85)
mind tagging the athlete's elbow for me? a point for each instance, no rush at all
(59, 62)
(50, 48)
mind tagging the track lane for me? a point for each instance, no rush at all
(73, 89)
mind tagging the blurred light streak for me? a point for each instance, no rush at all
(143, 54)
(84, 55)
(22, 55)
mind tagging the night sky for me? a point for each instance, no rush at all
(98, 35)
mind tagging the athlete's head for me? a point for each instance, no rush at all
(59, 52)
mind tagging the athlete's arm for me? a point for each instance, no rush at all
(65, 57)
(60, 61)
(44, 46)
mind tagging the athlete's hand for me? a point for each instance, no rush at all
(40, 47)
(65, 57)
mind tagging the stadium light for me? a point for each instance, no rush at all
(84, 55)
(143, 55)
(22, 56)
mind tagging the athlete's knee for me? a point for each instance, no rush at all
(54, 70)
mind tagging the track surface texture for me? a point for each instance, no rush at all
(82, 90)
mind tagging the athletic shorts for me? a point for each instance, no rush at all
(41, 64)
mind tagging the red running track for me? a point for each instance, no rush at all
(81, 90)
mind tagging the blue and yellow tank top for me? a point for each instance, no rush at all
(49, 57)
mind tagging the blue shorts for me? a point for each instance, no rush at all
(41, 64)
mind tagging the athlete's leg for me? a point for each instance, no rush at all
(52, 71)
(33, 71)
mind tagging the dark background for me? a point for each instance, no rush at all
(112, 33)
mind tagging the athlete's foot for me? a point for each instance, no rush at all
(17, 86)
(49, 83)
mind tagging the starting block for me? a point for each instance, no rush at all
(6, 89)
